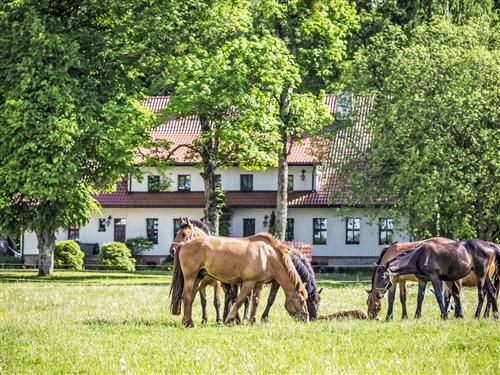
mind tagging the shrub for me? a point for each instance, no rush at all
(116, 256)
(139, 244)
(68, 254)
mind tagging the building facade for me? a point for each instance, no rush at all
(151, 206)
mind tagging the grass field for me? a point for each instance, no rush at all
(120, 323)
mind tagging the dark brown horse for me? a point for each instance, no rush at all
(235, 261)
(306, 273)
(390, 252)
(449, 262)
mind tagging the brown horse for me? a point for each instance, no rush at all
(235, 261)
(375, 296)
(437, 262)
(192, 229)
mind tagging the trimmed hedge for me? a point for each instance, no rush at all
(116, 256)
(139, 244)
(68, 254)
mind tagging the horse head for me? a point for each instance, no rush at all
(296, 305)
(313, 302)
(381, 282)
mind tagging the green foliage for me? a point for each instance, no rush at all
(435, 131)
(116, 256)
(69, 113)
(137, 245)
(272, 223)
(225, 213)
(68, 254)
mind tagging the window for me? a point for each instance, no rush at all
(177, 225)
(319, 231)
(385, 231)
(184, 182)
(289, 234)
(120, 230)
(153, 183)
(246, 182)
(102, 225)
(218, 180)
(248, 227)
(74, 232)
(290, 182)
(152, 230)
(352, 230)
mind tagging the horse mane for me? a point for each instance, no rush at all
(379, 260)
(305, 272)
(197, 223)
(403, 259)
(282, 249)
(304, 261)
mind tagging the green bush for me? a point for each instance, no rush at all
(139, 244)
(68, 254)
(116, 256)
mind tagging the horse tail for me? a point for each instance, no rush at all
(496, 276)
(177, 286)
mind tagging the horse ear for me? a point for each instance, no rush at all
(188, 222)
(368, 291)
(183, 220)
(319, 291)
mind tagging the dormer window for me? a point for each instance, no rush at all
(184, 182)
(246, 182)
(153, 183)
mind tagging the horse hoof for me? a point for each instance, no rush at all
(404, 317)
(495, 315)
(188, 324)
(417, 316)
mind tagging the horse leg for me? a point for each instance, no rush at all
(203, 298)
(245, 290)
(390, 305)
(257, 291)
(246, 310)
(420, 298)
(480, 294)
(270, 300)
(217, 290)
(491, 290)
(190, 289)
(402, 298)
(438, 290)
(455, 291)
(227, 300)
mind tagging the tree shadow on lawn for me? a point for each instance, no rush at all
(97, 322)
(142, 278)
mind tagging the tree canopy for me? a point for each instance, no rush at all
(69, 120)
(435, 127)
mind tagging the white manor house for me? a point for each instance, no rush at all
(138, 208)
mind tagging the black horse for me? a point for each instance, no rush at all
(449, 262)
(306, 273)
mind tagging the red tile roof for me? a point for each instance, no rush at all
(348, 143)
(185, 130)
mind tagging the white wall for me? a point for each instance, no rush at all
(136, 226)
(263, 180)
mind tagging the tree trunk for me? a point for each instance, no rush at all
(208, 155)
(46, 241)
(282, 193)
(211, 209)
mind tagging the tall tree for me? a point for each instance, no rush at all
(314, 34)
(435, 130)
(67, 112)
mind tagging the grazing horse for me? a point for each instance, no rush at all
(188, 230)
(374, 300)
(306, 273)
(235, 261)
(437, 262)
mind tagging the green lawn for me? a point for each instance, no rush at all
(119, 323)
